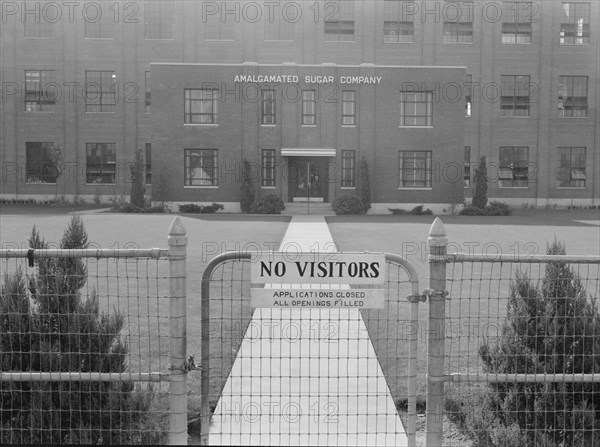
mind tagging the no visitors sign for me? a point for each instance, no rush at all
(305, 280)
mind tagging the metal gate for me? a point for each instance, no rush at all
(324, 375)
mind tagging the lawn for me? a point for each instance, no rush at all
(478, 292)
(140, 288)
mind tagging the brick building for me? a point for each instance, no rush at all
(96, 81)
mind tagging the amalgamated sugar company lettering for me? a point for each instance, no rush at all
(309, 79)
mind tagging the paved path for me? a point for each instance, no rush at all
(313, 380)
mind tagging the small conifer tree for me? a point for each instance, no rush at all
(480, 179)
(365, 185)
(248, 195)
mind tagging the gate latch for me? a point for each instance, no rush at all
(189, 365)
(425, 294)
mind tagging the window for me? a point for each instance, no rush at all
(219, 26)
(40, 91)
(268, 107)
(514, 165)
(41, 162)
(201, 167)
(279, 27)
(515, 95)
(398, 24)
(571, 173)
(268, 167)
(469, 96)
(572, 101)
(100, 95)
(458, 22)
(575, 24)
(148, 93)
(101, 164)
(517, 27)
(349, 107)
(148, 163)
(415, 169)
(101, 28)
(467, 169)
(348, 169)
(309, 107)
(416, 108)
(158, 17)
(37, 23)
(200, 106)
(339, 20)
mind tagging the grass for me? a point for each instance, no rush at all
(478, 292)
(141, 288)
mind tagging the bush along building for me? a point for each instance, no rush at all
(302, 91)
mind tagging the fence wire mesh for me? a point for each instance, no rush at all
(321, 375)
(523, 351)
(84, 350)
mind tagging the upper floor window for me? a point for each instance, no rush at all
(515, 95)
(339, 20)
(101, 164)
(416, 108)
(100, 94)
(278, 27)
(41, 162)
(147, 92)
(201, 167)
(40, 91)
(571, 173)
(517, 23)
(158, 16)
(349, 107)
(268, 107)
(102, 27)
(36, 20)
(414, 169)
(575, 24)
(573, 92)
(398, 18)
(514, 166)
(219, 26)
(200, 106)
(458, 22)
(309, 107)
(469, 95)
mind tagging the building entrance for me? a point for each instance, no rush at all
(307, 177)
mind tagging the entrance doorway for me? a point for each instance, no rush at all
(307, 179)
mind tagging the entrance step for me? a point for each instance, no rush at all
(316, 208)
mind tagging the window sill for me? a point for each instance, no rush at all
(308, 125)
(513, 187)
(573, 44)
(350, 126)
(414, 188)
(517, 43)
(415, 127)
(100, 184)
(200, 187)
(103, 113)
(268, 125)
(41, 183)
(98, 38)
(347, 187)
(268, 187)
(200, 125)
(573, 117)
(581, 188)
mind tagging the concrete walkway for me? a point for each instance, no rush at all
(307, 376)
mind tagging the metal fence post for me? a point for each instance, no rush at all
(436, 334)
(177, 241)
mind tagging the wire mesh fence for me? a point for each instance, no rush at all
(84, 347)
(320, 375)
(522, 353)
